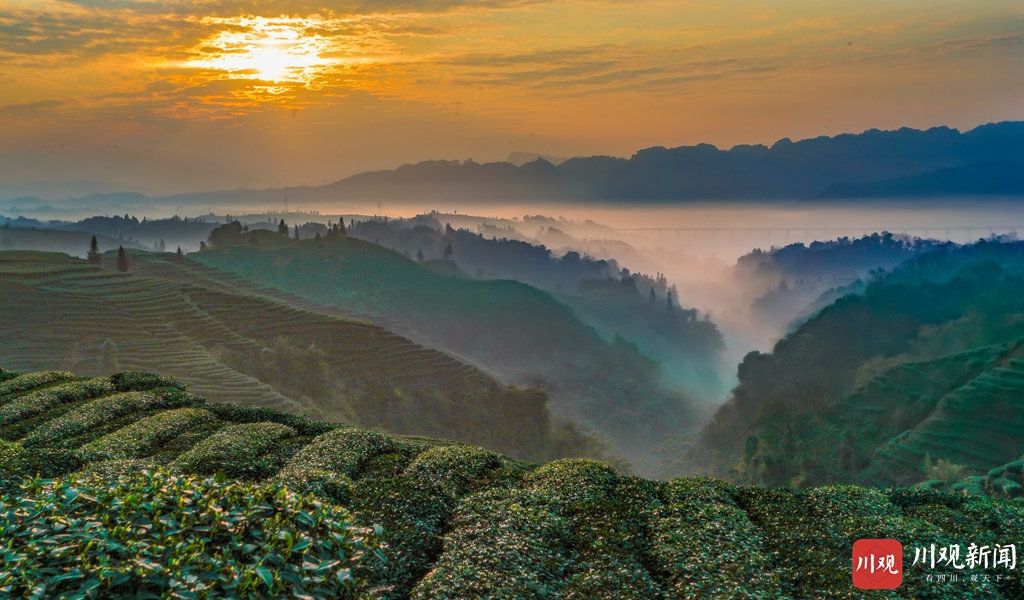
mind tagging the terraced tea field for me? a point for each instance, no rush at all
(523, 335)
(211, 333)
(458, 521)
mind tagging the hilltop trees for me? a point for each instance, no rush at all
(336, 229)
(122, 259)
(282, 228)
(93, 256)
(228, 234)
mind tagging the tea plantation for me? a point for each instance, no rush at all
(232, 341)
(130, 484)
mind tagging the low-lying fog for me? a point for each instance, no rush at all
(696, 246)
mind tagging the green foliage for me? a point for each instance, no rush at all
(921, 364)
(706, 546)
(257, 414)
(160, 534)
(243, 451)
(517, 330)
(453, 471)
(943, 470)
(455, 521)
(19, 384)
(89, 420)
(138, 381)
(142, 437)
(241, 343)
(50, 398)
(507, 544)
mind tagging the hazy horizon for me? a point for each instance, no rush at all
(236, 94)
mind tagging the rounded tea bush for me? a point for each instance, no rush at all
(157, 534)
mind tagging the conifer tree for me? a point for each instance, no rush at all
(161, 246)
(282, 228)
(179, 255)
(94, 251)
(296, 231)
(122, 259)
(341, 226)
(653, 296)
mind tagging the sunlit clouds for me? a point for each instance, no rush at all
(202, 93)
(275, 51)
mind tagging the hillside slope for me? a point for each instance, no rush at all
(924, 367)
(519, 332)
(461, 522)
(236, 345)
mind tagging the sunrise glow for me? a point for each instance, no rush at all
(272, 50)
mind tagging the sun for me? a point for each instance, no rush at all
(275, 51)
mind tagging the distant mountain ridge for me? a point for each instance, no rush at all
(940, 161)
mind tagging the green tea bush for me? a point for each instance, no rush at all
(452, 470)
(127, 381)
(18, 462)
(155, 534)
(117, 468)
(89, 420)
(613, 578)
(5, 374)
(30, 381)
(49, 398)
(416, 518)
(143, 436)
(236, 413)
(237, 451)
(577, 483)
(706, 547)
(502, 544)
(342, 451)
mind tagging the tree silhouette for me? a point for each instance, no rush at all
(122, 259)
(419, 254)
(202, 246)
(653, 295)
(282, 228)
(448, 252)
(341, 226)
(296, 231)
(179, 255)
(161, 246)
(668, 300)
(93, 255)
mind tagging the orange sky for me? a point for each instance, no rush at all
(173, 96)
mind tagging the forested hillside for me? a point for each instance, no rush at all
(234, 342)
(400, 517)
(920, 377)
(645, 310)
(519, 332)
(797, 280)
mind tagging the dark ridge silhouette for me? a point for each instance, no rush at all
(940, 161)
